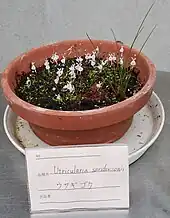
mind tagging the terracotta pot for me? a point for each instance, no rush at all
(78, 127)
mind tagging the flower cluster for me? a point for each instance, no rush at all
(77, 66)
(92, 75)
(94, 79)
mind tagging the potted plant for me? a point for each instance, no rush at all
(80, 91)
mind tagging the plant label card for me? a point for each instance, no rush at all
(78, 177)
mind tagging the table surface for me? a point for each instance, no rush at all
(149, 176)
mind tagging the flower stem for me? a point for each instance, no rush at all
(140, 28)
(147, 39)
(90, 41)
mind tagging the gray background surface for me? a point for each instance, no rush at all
(27, 24)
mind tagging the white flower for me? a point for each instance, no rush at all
(100, 67)
(63, 60)
(104, 62)
(28, 82)
(133, 62)
(93, 57)
(33, 67)
(47, 65)
(55, 57)
(58, 97)
(87, 56)
(79, 67)
(56, 80)
(72, 71)
(121, 61)
(93, 63)
(59, 72)
(99, 85)
(112, 57)
(69, 87)
(79, 59)
(54, 88)
(121, 49)
(72, 68)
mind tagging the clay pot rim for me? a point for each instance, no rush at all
(13, 98)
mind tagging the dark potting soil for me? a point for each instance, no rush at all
(90, 88)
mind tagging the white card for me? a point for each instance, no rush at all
(77, 178)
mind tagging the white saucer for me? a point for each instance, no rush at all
(145, 129)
